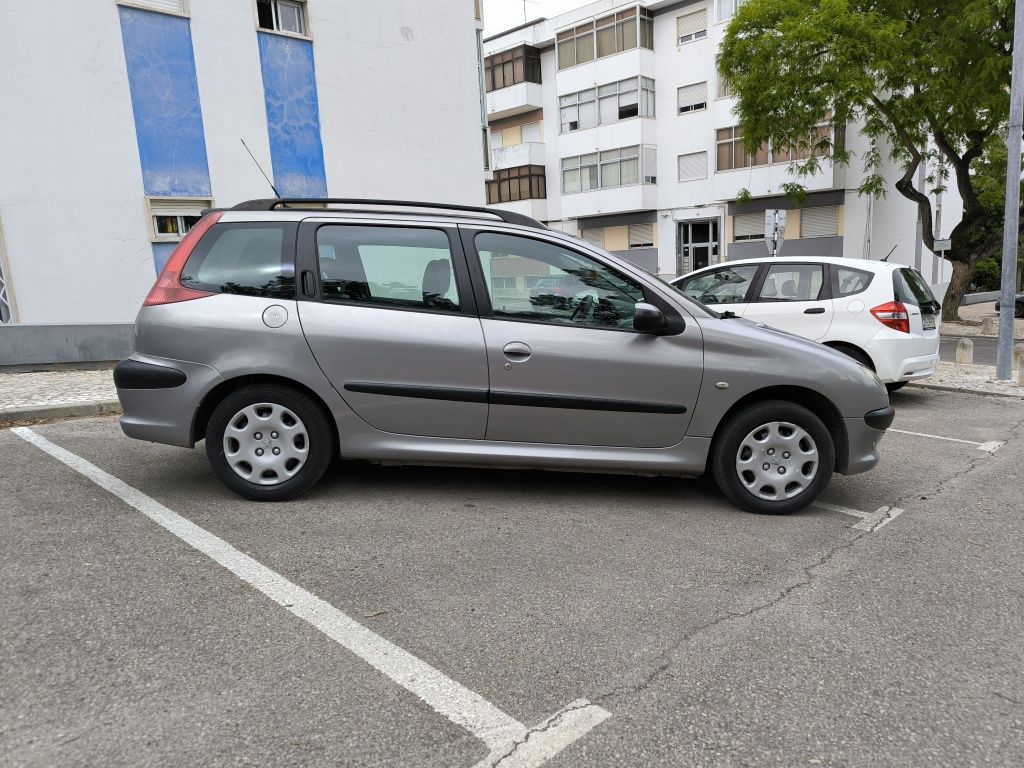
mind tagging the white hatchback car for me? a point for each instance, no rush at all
(883, 315)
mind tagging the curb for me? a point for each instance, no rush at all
(966, 390)
(51, 412)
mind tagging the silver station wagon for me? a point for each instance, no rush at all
(287, 332)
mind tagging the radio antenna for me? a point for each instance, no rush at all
(276, 193)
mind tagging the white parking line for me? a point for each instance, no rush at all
(990, 447)
(869, 521)
(502, 733)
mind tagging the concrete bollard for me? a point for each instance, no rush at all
(965, 352)
(988, 326)
(1018, 355)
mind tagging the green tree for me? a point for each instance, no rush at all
(926, 80)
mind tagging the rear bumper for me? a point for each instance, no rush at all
(918, 367)
(156, 409)
(899, 358)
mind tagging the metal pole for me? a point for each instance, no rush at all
(918, 246)
(1004, 349)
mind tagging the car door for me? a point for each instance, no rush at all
(391, 320)
(793, 297)
(577, 373)
(727, 287)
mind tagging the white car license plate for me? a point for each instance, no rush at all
(928, 322)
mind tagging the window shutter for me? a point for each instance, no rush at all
(189, 207)
(166, 6)
(822, 221)
(693, 94)
(693, 166)
(691, 25)
(641, 235)
(750, 225)
(594, 236)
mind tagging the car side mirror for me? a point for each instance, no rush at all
(647, 318)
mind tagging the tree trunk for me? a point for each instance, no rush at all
(958, 285)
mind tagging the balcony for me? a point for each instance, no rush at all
(514, 100)
(527, 153)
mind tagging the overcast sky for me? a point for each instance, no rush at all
(500, 15)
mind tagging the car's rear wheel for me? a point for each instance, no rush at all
(269, 442)
(773, 457)
(857, 354)
(892, 386)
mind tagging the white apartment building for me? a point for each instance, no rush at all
(124, 119)
(611, 122)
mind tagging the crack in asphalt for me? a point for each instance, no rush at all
(545, 726)
(809, 577)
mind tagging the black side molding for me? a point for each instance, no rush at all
(880, 419)
(133, 374)
(424, 393)
(581, 403)
(511, 398)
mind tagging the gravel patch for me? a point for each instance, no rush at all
(976, 378)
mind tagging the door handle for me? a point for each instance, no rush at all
(815, 311)
(308, 283)
(517, 351)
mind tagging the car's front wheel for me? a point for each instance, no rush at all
(773, 457)
(269, 442)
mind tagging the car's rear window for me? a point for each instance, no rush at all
(243, 259)
(911, 288)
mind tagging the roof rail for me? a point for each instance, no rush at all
(271, 203)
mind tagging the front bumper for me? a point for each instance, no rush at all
(862, 438)
(154, 407)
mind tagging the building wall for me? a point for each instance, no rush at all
(863, 229)
(383, 102)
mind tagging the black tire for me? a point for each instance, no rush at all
(322, 442)
(1018, 311)
(895, 385)
(731, 434)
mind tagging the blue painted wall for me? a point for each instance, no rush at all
(165, 100)
(293, 116)
(161, 253)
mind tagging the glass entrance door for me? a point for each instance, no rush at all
(696, 245)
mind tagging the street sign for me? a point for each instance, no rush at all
(941, 245)
(774, 229)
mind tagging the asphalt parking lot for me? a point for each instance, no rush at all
(514, 618)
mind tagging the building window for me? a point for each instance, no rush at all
(523, 183)
(608, 35)
(820, 144)
(171, 219)
(724, 88)
(726, 8)
(516, 65)
(692, 26)
(821, 221)
(177, 7)
(606, 104)
(731, 154)
(692, 98)
(282, 16)
(693, 166)
(610, 168)
(641, 235)
(748, 226)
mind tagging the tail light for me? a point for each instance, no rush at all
(893, 314)
(168, 288)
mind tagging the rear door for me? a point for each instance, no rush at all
(724, 288)
(793, 297)
(577, 374)
(390, 317)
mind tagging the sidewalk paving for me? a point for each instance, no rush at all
(56, 394)
(971, 316)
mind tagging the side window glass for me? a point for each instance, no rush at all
(792, 282)
(721, 286)
(388, 266)
(850, 281)
(246, 260)
(544, 282)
